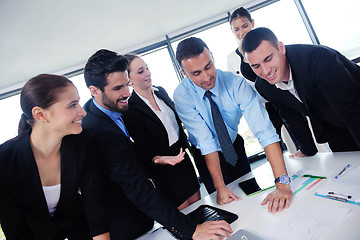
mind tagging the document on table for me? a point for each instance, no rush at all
(346, 188)
(302, 185)
(308, 221)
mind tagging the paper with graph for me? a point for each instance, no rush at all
(302, 185)
(307, 222)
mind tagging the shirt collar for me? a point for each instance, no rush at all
(289, 85)
(113, 115)
(214, 90)
(153, 89)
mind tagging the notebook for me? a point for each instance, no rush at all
(206, 213)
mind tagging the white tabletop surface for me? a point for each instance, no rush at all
(254, 217)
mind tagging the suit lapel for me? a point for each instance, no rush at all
(68, 173)
(99, 114)
(139, 104)
(296, 75)
(278, 96)
(162, 95)
(30, 176)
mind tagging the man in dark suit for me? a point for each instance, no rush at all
(315, 80)
(132, 201)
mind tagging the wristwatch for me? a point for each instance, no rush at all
(283, 179)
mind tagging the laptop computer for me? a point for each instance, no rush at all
(206, 213)
(244, 235)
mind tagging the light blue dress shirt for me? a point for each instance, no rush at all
(234, 98)
(115, 116)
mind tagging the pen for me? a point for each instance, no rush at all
(312, 176)
(342, 171)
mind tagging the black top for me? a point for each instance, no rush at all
(245, 68)
(23, 208)
(151, 139)
(328, 85)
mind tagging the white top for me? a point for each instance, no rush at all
(166, 116)
(52, 196)
(289, 86)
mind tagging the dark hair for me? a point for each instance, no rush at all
(240, 13)
(42, 91)
(253, 39)
(100, 65)
(130, 57)
(190, 47)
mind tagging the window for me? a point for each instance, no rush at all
(11, 114)
(337, 25)
(80, 84)
(162, 71)
(284, 20)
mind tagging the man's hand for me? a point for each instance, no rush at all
(212, 230)
(224, 196)
(279, 198)
(298, 154)
(171, 160)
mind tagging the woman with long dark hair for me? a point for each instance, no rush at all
(48, 187)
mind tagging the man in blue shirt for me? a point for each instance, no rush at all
(234, 98)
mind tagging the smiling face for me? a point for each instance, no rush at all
(241, 26)
(116, 93)
(200, 69)
(269, 63)
(65, 115)
(139, 76)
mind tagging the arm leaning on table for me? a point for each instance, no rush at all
(224, 195)
(201, 137)
(261, 126)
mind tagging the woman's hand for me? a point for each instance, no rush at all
(171, 160)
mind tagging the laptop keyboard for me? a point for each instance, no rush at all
(206, 213)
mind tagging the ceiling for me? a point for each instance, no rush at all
(44, 36)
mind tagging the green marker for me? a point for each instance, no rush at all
(312, 176)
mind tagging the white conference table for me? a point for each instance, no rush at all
(254, 217)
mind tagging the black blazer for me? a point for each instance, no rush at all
(126, 186)
(294, 121)
(328, 85)
(142, 122)
(23, 209)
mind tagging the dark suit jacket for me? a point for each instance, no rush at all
(294, 121)
(328, 85)
(23, 209)
(126, 186)
(151, 139)
(142, 122)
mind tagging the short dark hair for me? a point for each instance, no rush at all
(240, 13)
(100, 65)
(41, 91)
(253, 39)
(190, 47)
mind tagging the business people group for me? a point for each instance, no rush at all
(79, 174)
